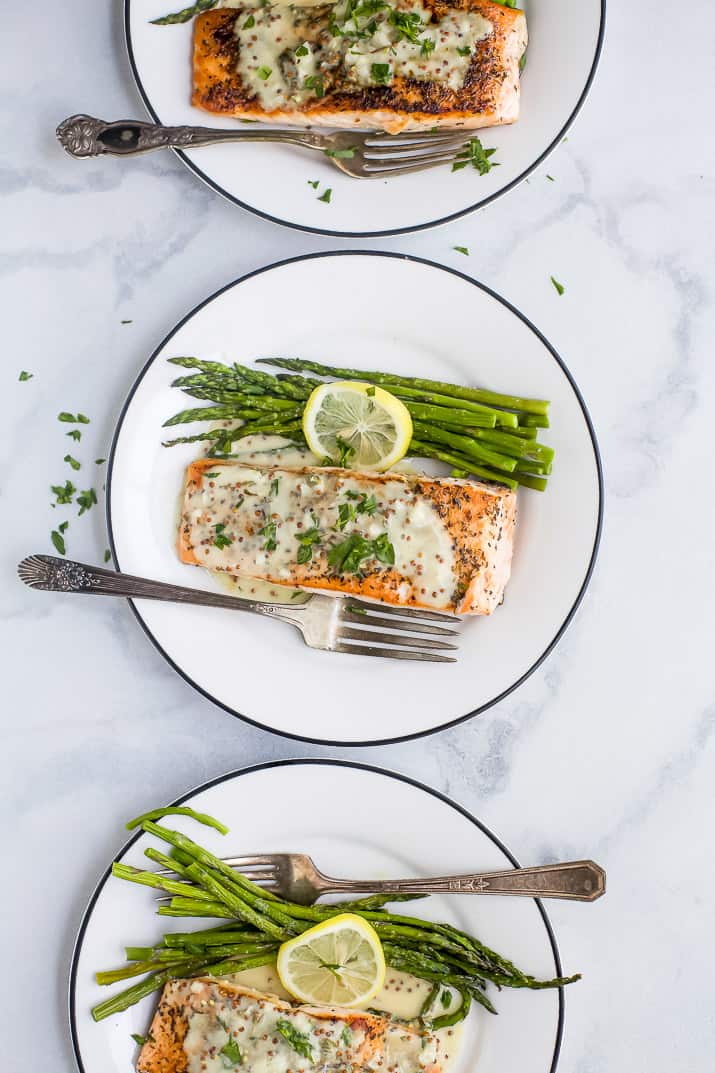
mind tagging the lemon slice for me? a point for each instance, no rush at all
(359, 426)
(337, 963)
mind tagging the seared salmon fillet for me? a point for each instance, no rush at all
(196, 1020)
(362, 63)
(439, 543)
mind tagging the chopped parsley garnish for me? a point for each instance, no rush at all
(264, 73)
(141, 1040)
(99, 461)
(299, 1041)
(365, 504)
(214, 474)
(315, 183)
(326, 196)
(368, 7)
(230, 1054)
(346, 513)
(85, 500)
(306, 542)
(346, 1036)
(220, 538)
(73, 462)
(64, 492)
(70, 419)
(348, 556)
(345, 451)
(126, 321)
(550, 178)
(427, 47)
(341, 154)
(407, 23)
(465, 51)
(269, 532)
(475, 154)
(63, 527)
(462, 249)
(560, 289)
(249, 23)
(302, 50)
(58, 540)
(107, 555)
(75, 434)
(445, 998)
(370, 392)
(381, 73)
(24, 375)
(315, 82)
(275, 485)
(383, 549)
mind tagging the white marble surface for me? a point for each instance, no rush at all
(607, 751)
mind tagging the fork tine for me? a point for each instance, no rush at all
(395, 623)
(395, 141)
(427, 160)
(265, 884)
(257, 877)
(388, 639)
(399, 152)
(248, 862)
(392, 653)
(406, 612)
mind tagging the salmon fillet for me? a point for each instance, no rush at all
(444, 544)
(468, 78)
(197, 1019)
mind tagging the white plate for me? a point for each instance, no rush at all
(272, 180)
(369, 310)
(309, 806)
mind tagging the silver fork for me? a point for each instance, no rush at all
(335, 624)
(295, 877)
(362, 155)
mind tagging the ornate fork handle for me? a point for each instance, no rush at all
(85, 136)
(52, 574)
(581, 881)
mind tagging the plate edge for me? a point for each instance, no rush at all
(390, 231)
(324, 762)
(599, 517)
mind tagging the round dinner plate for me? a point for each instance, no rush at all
(335, 811)
(273, 180)
(373, 311)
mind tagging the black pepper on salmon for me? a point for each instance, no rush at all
(404, 65)
(440, 543)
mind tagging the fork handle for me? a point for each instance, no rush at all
(85, 136)
(53, 574)
(580, 881)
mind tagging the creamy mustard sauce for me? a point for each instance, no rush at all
(265, 451)
(290, 53)
(252, 1025)
(280, 525)
(445, 58)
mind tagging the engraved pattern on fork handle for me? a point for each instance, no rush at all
(582, 881)
(53, 574)
(82, 136)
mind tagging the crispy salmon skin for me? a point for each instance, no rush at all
(467, 75)
(196, 1020)
(440, 543)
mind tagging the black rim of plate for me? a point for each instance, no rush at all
(310, 761)
(481, 203)
(579, 595)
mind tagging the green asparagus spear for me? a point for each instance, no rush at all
(424, 450)
(186, 14)
(465, 446)
(489, 398)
